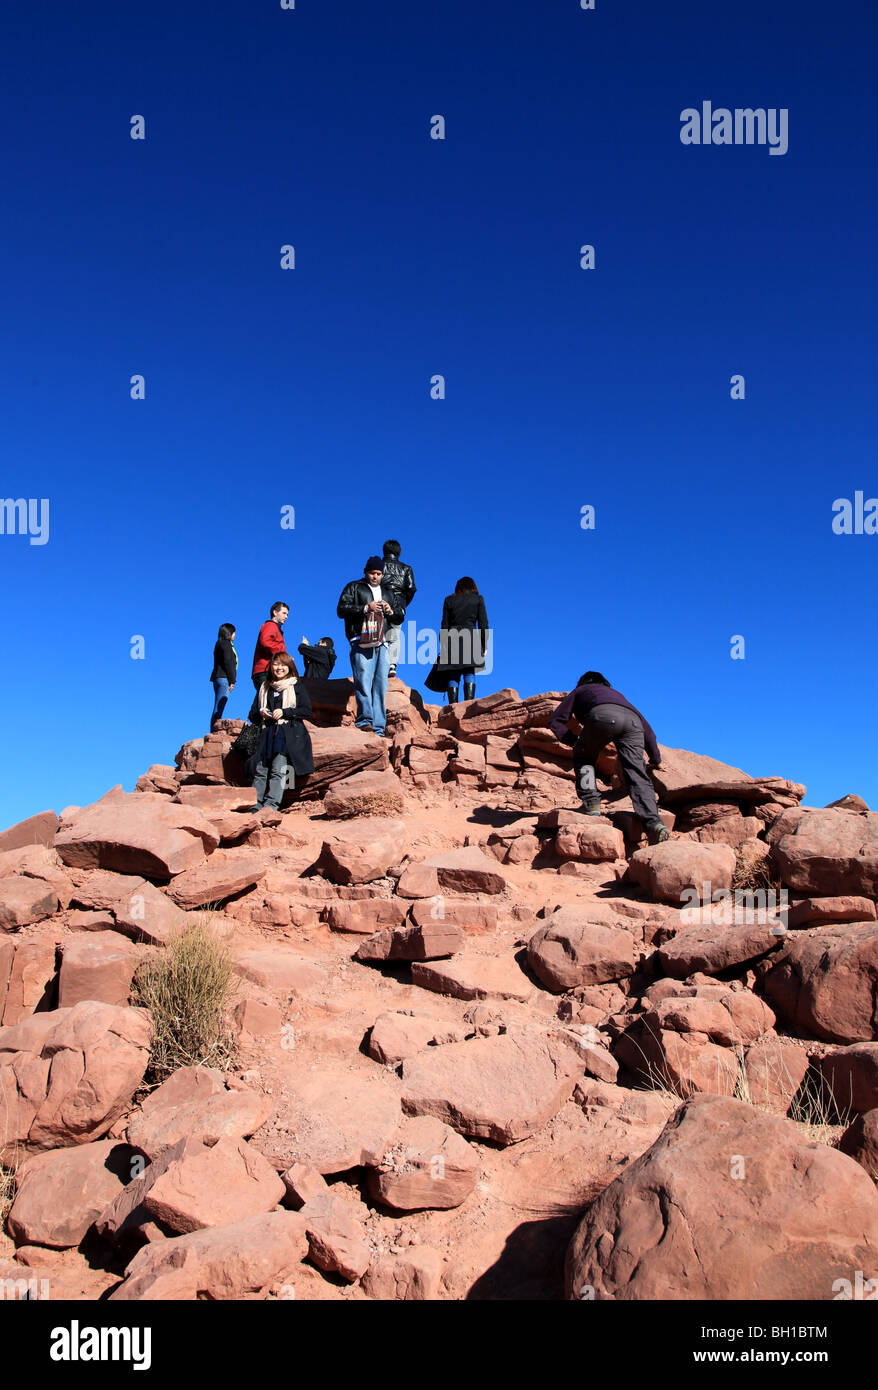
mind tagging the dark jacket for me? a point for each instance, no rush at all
(462, 639)
(352, 605)
(580, 702)
(401, 578)
(225, 663)
(298, 740)
(269, 642)
(319, 661)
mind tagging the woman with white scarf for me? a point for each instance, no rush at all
(282, 704)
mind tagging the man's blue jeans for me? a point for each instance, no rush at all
(370, 684)
(220, 696)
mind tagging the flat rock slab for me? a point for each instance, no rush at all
(24, 900)
(502, 1088)
(141, 833)
(710, 949)
(226, 1115)
(474, 977)
(368, 916)
(205, 1186)
(227, 1262)
(431, 942)
(36, 830)
(466, 870)
(332, 1119)
(476, 919)
(363, 850)
(97, 965)
(817, 912)
(685, 776)
(226, 873)
(281, 970)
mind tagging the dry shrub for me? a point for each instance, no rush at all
(187, 987)
(7, 1193)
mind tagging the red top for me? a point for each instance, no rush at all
(269, 642)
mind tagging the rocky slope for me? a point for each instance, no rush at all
(486, 1047)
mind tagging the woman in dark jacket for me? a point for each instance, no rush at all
(319, 660)
(284, 752)
(462, 641)
(225, 670)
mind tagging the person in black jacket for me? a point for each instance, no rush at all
(319, 660)
(605, 716)
(400, 578)
(365, 605)
(225, 670)
(284, 752)
(463, 638)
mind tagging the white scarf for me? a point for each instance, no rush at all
(287, 687)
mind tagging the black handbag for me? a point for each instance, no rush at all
(247, 742)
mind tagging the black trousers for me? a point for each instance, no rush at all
(614, 724)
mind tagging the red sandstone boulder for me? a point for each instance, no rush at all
(67, 1076)
(59, 1194)
(141, 833)
(471, 976)
(501, 1088)
(36, 830)
(860, 1142)
(398, 1035)
(593, 841)
(710, 948)
(24, 900)
(363, 850)
(30, 984)
(98, 965)
(414, 1275)
(667, 871)
(365, 794)
(570, 950)
(774, 1070)
(335, 1238)
(475, 918)
(824, 984)
(205, 1186)
(817, 912)
(828, 853)
(431, 942)
(368, 916)
(226, 873)
(252, 1256)
(427, 1167)
(466, 870)
(338, 754)
(850, 1074)
(224, 1115)
(722, 1166)
(685, 776)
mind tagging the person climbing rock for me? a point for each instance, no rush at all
(605, 716)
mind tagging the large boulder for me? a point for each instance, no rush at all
(860, 1141)
(224, 1115)
(850, 1075)
(669, 871)
(141, 833)
(199, 1185)
(36, 830)
(257, 1255)
(501, 1088)
(363, 850)
(96, 965)
(338, 754)
(60, 1193)
(226, 873)
(824, 984)
(428, 1166)
(571, 950)
(365, 794)
(708, 948)
(67, 1076)
(467, 870)
(829, 853)
(713, 1209)
(24, 900)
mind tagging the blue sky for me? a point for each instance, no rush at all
(564, 387)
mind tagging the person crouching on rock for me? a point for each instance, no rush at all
(281, 705)
(605, 717)
(319, 660)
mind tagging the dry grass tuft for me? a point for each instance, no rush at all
(187, 987)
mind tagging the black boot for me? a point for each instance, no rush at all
(469, 690)
(452, 694)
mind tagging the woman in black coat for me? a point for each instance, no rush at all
(225, 670)
(281, 705)
(462, 641)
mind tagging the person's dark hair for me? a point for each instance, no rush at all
(280, 604)
(226, 632)
(329, 642)
(287, 659)
(392, 549)
(466, 585)
(593, 678)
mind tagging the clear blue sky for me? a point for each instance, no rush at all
(414, 256)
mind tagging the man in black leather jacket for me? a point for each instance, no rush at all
(369, 663)
(400, 578)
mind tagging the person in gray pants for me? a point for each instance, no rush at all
(605, 716)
